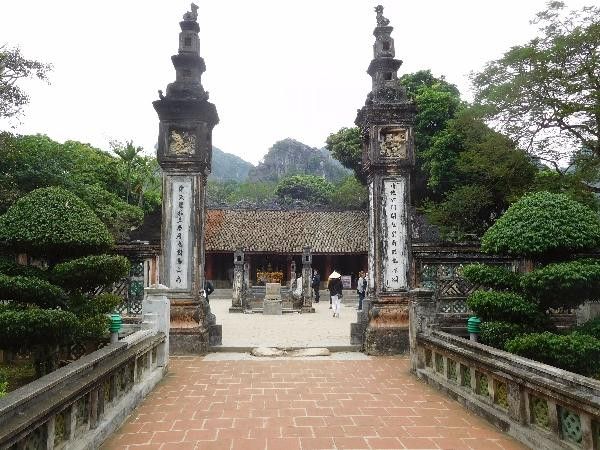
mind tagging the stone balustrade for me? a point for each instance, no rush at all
(542, 406)
(78, 406)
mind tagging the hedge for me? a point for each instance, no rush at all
(575, 352)
(502, 306)
(543, 224)
(53, 222)
(87, 273)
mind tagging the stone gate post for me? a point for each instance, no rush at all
(184, 155)
(238, 291)
(386, 122)
(306, 277)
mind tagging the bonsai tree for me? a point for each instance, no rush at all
(54, 305)
(550, 230)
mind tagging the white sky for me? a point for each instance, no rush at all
(275, 68)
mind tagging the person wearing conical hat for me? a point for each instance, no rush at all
(335, 290)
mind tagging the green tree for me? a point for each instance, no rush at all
(14, 68)
(546, 94)
(31, 162)
(129, 154)
(346, 147)
(351, 194)
(51, 307)
(305, 187)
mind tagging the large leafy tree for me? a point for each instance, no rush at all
(14, 68)
(545, 94)
(97, 177)
(53, 306)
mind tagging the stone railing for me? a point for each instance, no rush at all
(540, 405)
(78, 406)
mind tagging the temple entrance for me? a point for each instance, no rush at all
(280, 249)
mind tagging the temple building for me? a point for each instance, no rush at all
(272, 242)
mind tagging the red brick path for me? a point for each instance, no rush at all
(289, 405)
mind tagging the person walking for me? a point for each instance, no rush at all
(335, 290)
(361, 288)
(315, 283)
(208, 289)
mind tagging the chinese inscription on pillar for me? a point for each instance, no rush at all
(395, 249)
(180, 231)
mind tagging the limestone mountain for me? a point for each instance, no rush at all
(228, 167)
(290, 157)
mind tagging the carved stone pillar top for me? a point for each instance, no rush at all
(238, 257)
(306, 257)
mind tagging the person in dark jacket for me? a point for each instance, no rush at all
(335, 290)
(315, 283)
(208, 289)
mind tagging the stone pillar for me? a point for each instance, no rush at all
(422, 320)
(184, 155)
(386, 123)
(306, 277)
(246, 276)
(156, 304)
(238, 292)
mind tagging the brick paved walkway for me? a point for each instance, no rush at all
(302, 404)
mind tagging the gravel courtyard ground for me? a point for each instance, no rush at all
(288, 330)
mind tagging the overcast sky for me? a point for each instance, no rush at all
(275, 68)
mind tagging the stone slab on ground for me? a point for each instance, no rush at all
(267, 351)
(337, 356)
(301, 404)
(292, 353)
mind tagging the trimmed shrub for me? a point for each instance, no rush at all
(543, 224)
(29, 290)
(87, 273)
(502, 306)
(53, 222)
(497, 333)
(28, 327)
(491, 276)
(564, 284)
(575, 352)
(84, 305)
(11, 268)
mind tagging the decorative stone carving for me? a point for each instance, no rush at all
(182, 143)
(191, 15)
(381, 21)
(392, 142)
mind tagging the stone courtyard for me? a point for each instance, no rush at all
(303, 404)
(289, 330)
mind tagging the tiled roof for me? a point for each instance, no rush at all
(286, 231)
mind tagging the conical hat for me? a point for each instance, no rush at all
(335, 275)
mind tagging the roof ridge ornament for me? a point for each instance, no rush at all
(381, 20)
(191, 16)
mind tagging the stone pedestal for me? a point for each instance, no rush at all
(272, 303)
(388, 327)
(272, 308)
